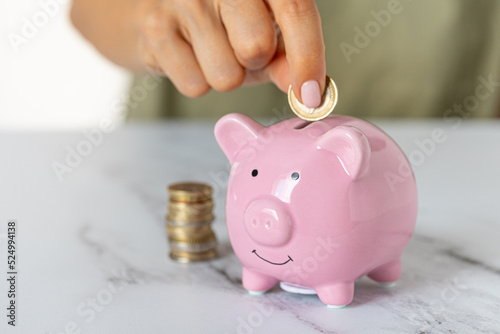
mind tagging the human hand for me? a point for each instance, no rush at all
(224, 44)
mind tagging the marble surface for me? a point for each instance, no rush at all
(92, 249)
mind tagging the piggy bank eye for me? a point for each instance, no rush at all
(295, 176)
(255, 172)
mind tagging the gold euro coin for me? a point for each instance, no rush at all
(189, 232)
(328, 103)
(179, 217)
(193, 247)
(190, 192)
(187, 257)
(191, 209)
(190, 240)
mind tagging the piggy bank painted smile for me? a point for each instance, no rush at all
(316, 205)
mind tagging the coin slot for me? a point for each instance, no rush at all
(302, 125)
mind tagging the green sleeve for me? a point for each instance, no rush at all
(388, 58)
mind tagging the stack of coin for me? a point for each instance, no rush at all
(189, 222)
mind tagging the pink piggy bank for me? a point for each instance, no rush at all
(316, 205)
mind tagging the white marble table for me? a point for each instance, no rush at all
(92, 250)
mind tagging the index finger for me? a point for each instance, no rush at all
(300, 24)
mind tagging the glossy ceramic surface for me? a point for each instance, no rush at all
(316, 205)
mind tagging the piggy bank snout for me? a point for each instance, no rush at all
(268, 223)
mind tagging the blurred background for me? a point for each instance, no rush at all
(54, 79)
(432, 56)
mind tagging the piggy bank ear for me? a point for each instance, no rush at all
(233, 131)
(351, 147)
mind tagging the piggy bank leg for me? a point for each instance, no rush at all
(387, 273)
(336, 295)
(257, 283)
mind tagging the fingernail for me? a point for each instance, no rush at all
(311, 96)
